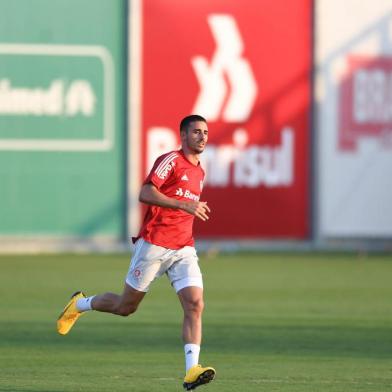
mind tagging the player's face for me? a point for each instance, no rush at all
(196, 136)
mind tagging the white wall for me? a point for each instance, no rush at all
(354, 186)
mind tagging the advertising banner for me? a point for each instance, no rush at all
(245, 66)
(366, 101)
(354, 121)
(62, 119)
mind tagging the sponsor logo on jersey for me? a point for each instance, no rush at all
(187, 194)
(184, 178)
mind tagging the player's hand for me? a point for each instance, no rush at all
(199, 209)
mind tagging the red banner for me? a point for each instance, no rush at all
(366, 102)
(245, 66)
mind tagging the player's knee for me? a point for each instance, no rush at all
(195, 306)
(126, 310)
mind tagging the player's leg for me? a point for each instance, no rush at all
(191, 299)
(186, 278)
(144, 268)
(146, 265)
(122, 305)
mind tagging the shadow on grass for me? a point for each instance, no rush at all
(349, 341)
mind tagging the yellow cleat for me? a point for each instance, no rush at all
(198, 375)
(69, 315)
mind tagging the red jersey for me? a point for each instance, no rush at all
(175, 177)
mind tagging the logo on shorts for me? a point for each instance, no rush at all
(137, 273)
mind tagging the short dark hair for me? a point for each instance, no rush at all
(188, 119)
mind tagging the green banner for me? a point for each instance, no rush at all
(62, 111)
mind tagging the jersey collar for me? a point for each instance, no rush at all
(182, 153)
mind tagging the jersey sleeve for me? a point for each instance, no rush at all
(162, 170)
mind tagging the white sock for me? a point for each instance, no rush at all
(192, 352)
(84, 304)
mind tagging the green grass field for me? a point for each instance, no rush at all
(273, 322)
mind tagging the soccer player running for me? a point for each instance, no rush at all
(165, 245)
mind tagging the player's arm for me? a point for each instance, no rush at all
(149, 194)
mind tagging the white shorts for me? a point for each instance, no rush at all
(150, 261)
